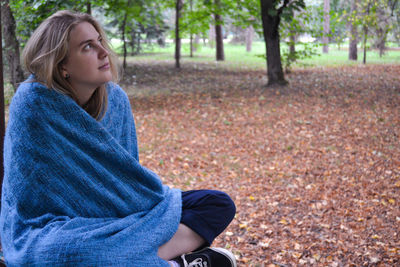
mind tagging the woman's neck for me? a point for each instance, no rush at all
(83, 96)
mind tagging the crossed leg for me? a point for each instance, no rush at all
(184, 240)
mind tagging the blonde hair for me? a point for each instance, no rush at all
(47, 49)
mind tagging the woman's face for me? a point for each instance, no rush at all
(87, 61)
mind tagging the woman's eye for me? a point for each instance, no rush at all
(87, 47)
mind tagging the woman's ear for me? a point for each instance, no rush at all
(64, 72)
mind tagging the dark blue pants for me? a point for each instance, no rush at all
(207, 212)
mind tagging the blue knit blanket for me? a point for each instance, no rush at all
(74, 192)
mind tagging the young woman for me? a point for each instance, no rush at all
(74, 192)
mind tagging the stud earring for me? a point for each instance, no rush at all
(67, 76)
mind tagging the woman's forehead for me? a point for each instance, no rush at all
(82, 33)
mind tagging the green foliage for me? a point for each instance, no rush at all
(299, 23)
(246, 13)
(339, 12)
(148, 19)
(196, 17)
(293, 7)
(138, 19)
(307, 50)
(303, 51)
(30, 13)
(143, 16)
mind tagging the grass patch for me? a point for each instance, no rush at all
(236, 56)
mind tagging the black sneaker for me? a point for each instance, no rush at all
(207, 257)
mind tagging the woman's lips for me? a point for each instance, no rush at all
(104, 67)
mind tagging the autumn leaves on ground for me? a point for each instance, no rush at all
(314, 167)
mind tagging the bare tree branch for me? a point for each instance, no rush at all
(393, 6)
(284, 5)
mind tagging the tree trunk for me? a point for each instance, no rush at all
(133, 42)
(271, 35)
(382, 30)
(196, 42)
(239, 35)
(124, 40)
(292, 36)
(365, 28)
(219, 38)
(211, 36)
(11, 45)
(2, 118)
(382, 45)
(89, 8)
(325, 38)
(191, 45)
(178, 7)
(191, 34)
(292, 46)
(138, 43)
(353, 32)
(249, 38)
(365, 44)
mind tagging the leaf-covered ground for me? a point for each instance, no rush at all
(314, 167)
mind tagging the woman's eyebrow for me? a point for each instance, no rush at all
(85, 42)
(89, 40)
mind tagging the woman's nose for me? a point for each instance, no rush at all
(102, 52)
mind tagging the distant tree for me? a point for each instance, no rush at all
(88, 7)
(201, 16)
(383, 26)
(195, 21)
(191, 33)
(249, 38)
(151, 23)
(368, 12)
(376, 17)
(246, 21)
(353, 32)
(289, 31)
(271, 13)
(220, 56)
(238, 34)
(123, 11)
(293, 33)
(338, 21)
(123, 28)
(135, 37)
(178, 8)
(211, 36)
(325, 38)
(301, 23)
(132, 18)
(385, 21)
(395, 34)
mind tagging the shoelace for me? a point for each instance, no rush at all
(196, 263)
